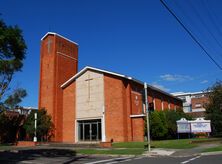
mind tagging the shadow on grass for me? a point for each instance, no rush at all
(36, 154)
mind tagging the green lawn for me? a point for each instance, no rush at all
(137, 148)
(218, 148)
(128, 145)
(6, 146)
(170, 144)
(174, 144)
(129, 151)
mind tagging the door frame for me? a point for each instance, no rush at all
(90, 123)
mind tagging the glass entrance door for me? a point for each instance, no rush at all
(94, 134)
(89, 130)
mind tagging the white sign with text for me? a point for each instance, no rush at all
(198, 127)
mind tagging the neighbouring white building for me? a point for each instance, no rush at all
(193, 101)
(24, 110)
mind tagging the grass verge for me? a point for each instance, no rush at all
(217, 148)
(6, 146)
(170, 144)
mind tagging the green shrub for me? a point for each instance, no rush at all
(158, 126)
(163, 124)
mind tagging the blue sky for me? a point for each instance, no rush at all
(138, 38)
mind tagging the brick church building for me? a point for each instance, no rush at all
(92, 104)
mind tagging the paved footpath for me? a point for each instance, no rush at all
(194, 151)
(199, 159)
(46, 155)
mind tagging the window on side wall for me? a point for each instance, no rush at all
(198, 105)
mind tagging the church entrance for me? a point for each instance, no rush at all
(89, 130)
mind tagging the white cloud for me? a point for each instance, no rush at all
(169, 77)
(204, 82)
(161, 87)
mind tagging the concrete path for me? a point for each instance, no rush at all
(194, 151)
(159, 152)
(180, 152)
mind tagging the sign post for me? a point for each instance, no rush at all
(35, 137)
(147, 117)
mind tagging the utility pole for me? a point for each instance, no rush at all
(147, 117)
(35, 137)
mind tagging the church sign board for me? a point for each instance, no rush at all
(200, 126)
(183, 126)
(197, 126)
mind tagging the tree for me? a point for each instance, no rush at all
(12, 54)
(171, 117)
(158, 128)
(163, 123)
(214, 108)
(9, 126)
(13, 100)
(44, 125)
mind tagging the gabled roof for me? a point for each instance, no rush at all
(114, 74)
(177, 94)
(53, 33)
(97, 70)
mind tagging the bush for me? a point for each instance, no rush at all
(171, 117)
(163, 124)
(44, 125)
(9, 127)
(214, 108)
(158, 128)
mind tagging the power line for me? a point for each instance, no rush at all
(193, 23)
(191, 35)
(205, 25)
(212, 16)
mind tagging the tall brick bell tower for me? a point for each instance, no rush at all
(58, 63)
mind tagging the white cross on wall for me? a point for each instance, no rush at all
(88, 80)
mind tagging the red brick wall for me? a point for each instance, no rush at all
(201, 100)
(158, 104)
(137, 123)
(172, 106)
(150, 99)
(158, 100)
(47, 80)
(138, 129)
(55, 69)
(114, 112)
(160, 97)
(69, 101)
(25, 143)
(136, 101)
(165, 105)
(128, 112)
(119, 105)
